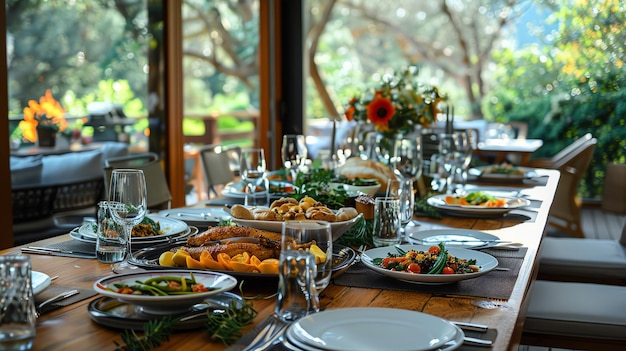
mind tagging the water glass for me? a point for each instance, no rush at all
(294, 152)
(17, 304)
(402, 189)
(386, 230)
(296, 285)
(253, 169)
(110, 242)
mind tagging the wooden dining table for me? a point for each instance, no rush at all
(71, 327)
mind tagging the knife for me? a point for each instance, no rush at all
(53, 251)
(464, 241)
(471, 326)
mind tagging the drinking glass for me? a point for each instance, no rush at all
(253, 168)
(302, 235)
(407, 157)
(448, 158)
(386, 222)
(294, 152)
(402, 189)
(127, 206)
(466, 144)
(17, 304)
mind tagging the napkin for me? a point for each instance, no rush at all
(55, 290)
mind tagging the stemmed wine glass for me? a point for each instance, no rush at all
(407, 158)
(253, 168)
(466, 144)
(294, 152)
(448, 157)
(127, 206)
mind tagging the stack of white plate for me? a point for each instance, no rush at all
(172, 230)
(373, 329)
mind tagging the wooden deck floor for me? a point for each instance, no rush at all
(597, 224)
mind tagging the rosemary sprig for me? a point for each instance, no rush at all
(155, 333)
(227, 326)
(359, 234)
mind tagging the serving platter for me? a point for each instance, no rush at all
(486, 262)
(338, 228)
(168, 226)
(191, 230)
(439, 202)
(374, 328)
(485, 173)
(113, 313)
(169, 304)
(148, 258)
(453, 237)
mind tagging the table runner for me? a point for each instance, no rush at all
(495, 284)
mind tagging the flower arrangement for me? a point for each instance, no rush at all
(398, 105)
(46, 113)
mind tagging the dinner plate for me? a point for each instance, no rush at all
(195, 216)
(453, 237)
(113, 313)
(148, 258)
(483, 172)
(39, 281)
(191, 230)
(439, 202)
(169, 227)
(486, 262)
(352, 329)
(216, 283)
(277, 188)
(356, 190)
(338, 228)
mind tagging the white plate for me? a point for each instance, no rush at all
(39, 281)
(348, 329)
(338, 228)
(486, 262)
(453, 237)
(483, 173)
(169, 304)
(235, 190)
(439, 202)
(196, 215)
(191, 230)
(169, 227)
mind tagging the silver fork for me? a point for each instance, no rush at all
(59, 297)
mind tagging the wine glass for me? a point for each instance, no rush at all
(407, 158)
(253, 168)
(302, 235)
(402, 189)
(466, 144)
(294, 152)
(448, 158)
(127, 206)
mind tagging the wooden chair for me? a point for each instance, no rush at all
(220, 165)
(159, 196)
(584, 260)
(572, 162)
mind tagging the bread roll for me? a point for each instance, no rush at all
(346, 214)
(356, 167)
(241, 212)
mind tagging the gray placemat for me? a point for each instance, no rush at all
(73, 248)
(55, 290)
(494, 285)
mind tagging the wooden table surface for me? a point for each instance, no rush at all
(71, 327)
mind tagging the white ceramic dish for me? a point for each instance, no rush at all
(197, 216)
(453, 237)
(439, 202)
(338, 228)
(352, 329)
(235, 189)
(39, 281)
(169, 227)
(486, 262)
(370, 190)
(170, 304)
(483, 172)
(191, 230)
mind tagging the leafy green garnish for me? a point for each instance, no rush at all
(316, 184)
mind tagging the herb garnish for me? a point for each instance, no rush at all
(316, 184)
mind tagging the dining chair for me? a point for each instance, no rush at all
(584, 260)
(159, 196)
(220, 165)
(573, 315)
(572, 162)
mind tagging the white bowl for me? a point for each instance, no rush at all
(170, 304)
(370, 190)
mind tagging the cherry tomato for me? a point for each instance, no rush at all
(392, 261)
(199, 288)
(447, 270)
(414, 268)
(434, 250)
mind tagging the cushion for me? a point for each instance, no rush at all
(26, 170)
(577, 309)
(112, 149)
(71, 167)
(577, 257)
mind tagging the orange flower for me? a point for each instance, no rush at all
(47, 111)
(380, 111)
(350, 113)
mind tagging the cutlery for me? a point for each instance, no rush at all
(57, 298)
(268, 336)
(188, 214)
(476, 342)
(52, 251)
(471, 326)
(430, 241)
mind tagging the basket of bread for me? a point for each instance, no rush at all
(286, 208)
